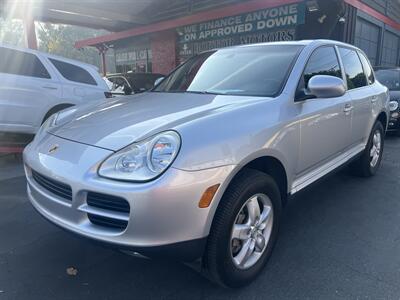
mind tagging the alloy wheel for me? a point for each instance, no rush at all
(376, 146)
(251, 231)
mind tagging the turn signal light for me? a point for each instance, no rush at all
(208, 195)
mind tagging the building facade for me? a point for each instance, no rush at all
(184, 28)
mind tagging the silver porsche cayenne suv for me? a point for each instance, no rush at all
(200, 167)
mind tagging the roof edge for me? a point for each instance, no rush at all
(203, 16)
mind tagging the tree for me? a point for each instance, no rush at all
(12, 32)
(60, 40)
(55, 39)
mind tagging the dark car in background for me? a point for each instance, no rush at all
(390, 77)
(132, 83)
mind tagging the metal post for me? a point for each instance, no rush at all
(103, 60)
(30, 33)
(102, 51)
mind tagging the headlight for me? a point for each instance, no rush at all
(393, 105)
(142, 161)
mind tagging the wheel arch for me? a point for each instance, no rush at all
(268, 164)
(55, 109)
(383, 118)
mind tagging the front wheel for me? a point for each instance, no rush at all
(244, 230)
(368, 163)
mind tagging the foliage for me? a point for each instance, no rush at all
(60, 40)
(12, 32)
(56, 39)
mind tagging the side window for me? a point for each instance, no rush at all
(323, 61)
(367, 68)
(21, 63)
(72, 72)
(353, 69)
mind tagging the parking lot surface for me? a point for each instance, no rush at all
(340, 239)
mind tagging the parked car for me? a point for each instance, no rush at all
(390, 77)
(133, 83)
(201, 166)
(34, 85)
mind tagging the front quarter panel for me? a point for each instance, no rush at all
(240, 135)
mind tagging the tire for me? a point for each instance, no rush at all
(364, 165)
(219, 263)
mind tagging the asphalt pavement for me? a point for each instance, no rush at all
(340, 239)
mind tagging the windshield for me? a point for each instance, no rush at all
(390, 78)
(250, 71)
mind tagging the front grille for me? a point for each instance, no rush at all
(107, 222)
(107, 202)
(111, 204)
(57, 188)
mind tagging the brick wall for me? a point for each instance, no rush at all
(164, 54)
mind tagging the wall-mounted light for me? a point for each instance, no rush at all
(312, 5)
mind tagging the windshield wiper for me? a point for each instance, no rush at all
(203, 92)
(190, 92)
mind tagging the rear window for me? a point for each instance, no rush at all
(353, 69)
(21, 63)
(73, 73)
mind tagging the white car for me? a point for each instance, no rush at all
(34, 85)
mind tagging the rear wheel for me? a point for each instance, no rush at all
(244, 230)
(368, 163)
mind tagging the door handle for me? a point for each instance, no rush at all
(348, 108)
(49, 87)
(374, 99)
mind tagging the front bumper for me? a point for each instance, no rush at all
(163, 212)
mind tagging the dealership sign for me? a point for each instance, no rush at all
(124, 56)
(269, 24)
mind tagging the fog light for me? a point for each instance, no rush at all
(395, 115)
(208, 195)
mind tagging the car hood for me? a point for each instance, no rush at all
(117, 123)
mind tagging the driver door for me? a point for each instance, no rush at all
(325, 123)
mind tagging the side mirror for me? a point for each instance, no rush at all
(158, 80)
(326, 86)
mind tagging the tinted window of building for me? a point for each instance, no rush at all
(367, 69)
(73, 73)
(367, 38)
(353, 69)
(323, 61)
(21, 63)
(390, 48)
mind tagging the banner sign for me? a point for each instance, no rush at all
(125, 56)
(271, 24)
